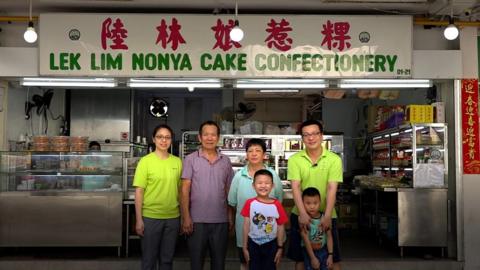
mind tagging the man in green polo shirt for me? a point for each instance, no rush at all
(319, 168)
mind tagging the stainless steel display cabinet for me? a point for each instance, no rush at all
(422, 217)
(61, 199)
(130, 165)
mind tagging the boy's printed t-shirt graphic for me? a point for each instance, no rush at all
(264, 219)
(317, 236)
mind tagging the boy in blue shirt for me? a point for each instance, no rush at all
(318, 244)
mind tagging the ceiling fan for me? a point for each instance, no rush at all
(158, 108)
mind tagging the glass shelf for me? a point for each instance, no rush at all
(417, 151)
(61, 171)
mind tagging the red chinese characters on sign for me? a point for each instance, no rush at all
(222, 35)
(278, 37)
(175, 37)
(114, 32)
(335, 35)
(470, 127)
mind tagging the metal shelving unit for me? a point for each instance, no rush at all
(417, 153)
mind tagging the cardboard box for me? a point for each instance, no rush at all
(419, 114)
(439, 112)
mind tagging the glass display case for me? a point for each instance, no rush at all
(57, 171)
(61, 198)
(279, 149)
(417, 153)
(129, 173)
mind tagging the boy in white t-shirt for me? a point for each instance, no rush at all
(263, 226)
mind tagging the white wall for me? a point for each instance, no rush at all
(471, 213)
(18, 62)
(16, 123)
(437, 64)
(470, 183)
(432, 39)
(12, 34)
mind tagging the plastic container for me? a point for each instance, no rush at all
(79, 139)
(60, 147)
(40, 139)
(59, 140)
(42, 147)
(78, 147)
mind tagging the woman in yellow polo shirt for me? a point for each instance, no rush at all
(157, 179)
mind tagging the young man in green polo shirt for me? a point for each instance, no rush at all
(319, 168)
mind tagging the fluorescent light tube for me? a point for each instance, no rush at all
(279, 91)
(281, 83)
(172, 83)
(384, 83)
(69, 82)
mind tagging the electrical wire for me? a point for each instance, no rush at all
(56, 118)
(30, 10)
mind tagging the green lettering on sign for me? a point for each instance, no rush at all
(106, 61)
(52, 62)
(66, 61)
(259, 65)
(242, 61)
(203, 58)
(186, 63)
(137, 61)
(391, 60)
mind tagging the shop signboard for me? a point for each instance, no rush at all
(161, 45)
(470, 127)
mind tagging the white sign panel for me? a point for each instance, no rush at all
(160, 45)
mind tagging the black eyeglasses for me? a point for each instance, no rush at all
(166, 138)
(307, 135)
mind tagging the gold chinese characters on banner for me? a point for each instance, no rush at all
(470, 127)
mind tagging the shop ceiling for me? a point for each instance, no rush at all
(466, 10)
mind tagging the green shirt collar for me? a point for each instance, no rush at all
(304, 154)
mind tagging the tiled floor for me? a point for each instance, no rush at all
(359, 251)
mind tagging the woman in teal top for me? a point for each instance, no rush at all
(241, 188)
(156, 182)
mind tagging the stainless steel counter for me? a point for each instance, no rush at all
(422, 215)
(60, 218)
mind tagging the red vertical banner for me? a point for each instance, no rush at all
(470, 127)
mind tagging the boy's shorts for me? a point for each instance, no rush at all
(295, 246)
